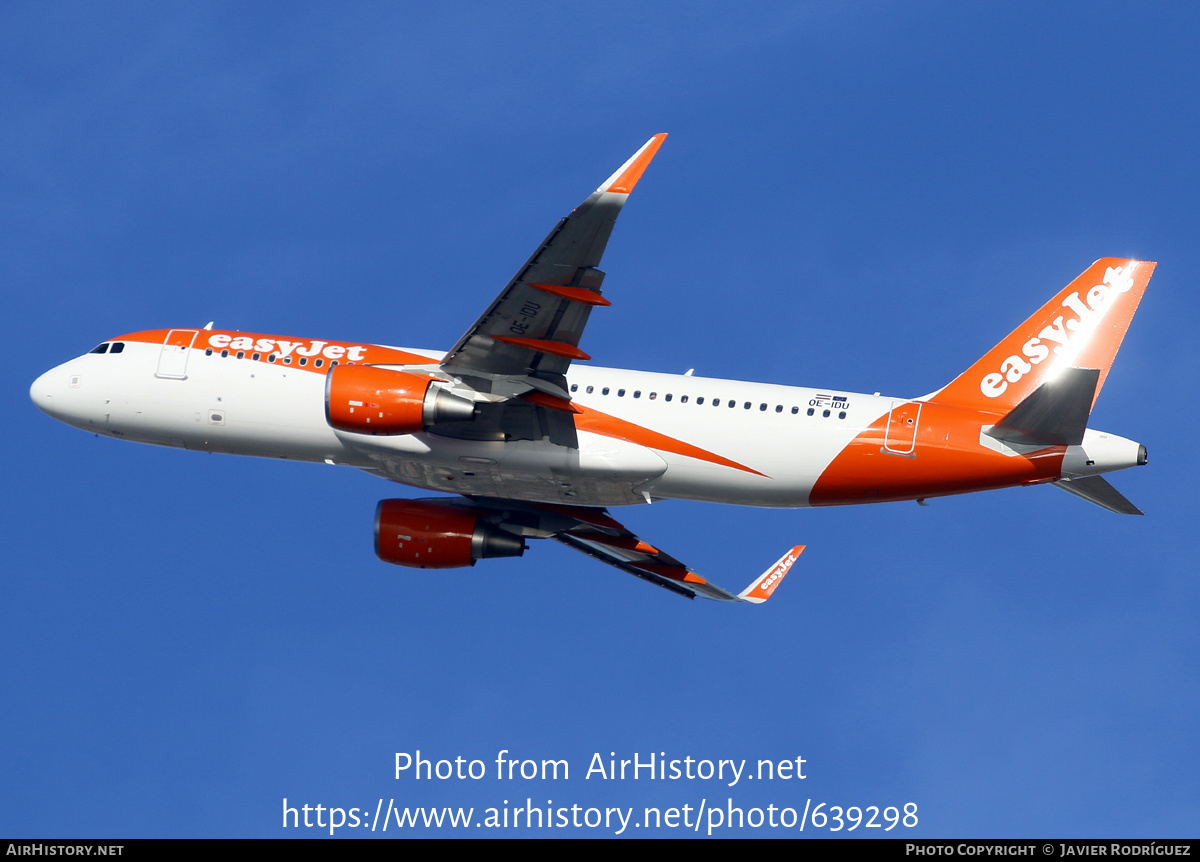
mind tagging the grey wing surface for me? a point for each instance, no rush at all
(526, 339)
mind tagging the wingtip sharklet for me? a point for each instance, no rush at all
(627, 176)
(766, 583)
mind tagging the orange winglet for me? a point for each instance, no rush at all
(765, 584)
(575, 294)
(557, 348)
(623, 181)
(543, 399)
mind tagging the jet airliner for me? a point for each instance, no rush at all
(534, 443)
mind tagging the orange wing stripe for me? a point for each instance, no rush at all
(575, 294)
(629, 543)
(543, 399)
(557, 348)
(675, 573)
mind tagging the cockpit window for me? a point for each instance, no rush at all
(100, 348)
(117, 347)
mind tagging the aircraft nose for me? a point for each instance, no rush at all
(40, 393)
(49, 393)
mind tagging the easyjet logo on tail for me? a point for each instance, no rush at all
(1063, 332)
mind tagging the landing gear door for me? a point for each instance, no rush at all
(901, 435)
(172, 361)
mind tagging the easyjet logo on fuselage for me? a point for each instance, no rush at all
(1061, 332)
(355, 353)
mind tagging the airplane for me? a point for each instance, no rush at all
(536, 444)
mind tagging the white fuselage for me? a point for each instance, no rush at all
(641, 435)
(780, 437)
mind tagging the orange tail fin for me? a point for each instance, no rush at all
(1081, 327)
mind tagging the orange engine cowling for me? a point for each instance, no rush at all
(428, 535)
(367, 399)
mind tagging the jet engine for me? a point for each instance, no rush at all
(431, 535)
(367, 399)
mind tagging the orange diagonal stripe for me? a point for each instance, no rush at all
(611, 426)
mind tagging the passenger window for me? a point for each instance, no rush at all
(683, 399)
(795, 410)
(716, 402)
(842, 415)
(604, 391)
(319, 363)
(589, 389)
(747, 405)
(778, 408)
(208, 352)
(762, 406)
(224, 354)
(700, 400)
(304, 360)
(620, 393)
(825, 413)
(271, 358)
(669, 396)
(333, 363)
(256, 357)
(287, 360)
(653, 395)
(810, 411)
(574, 387)
(637, 393)
(241, 354)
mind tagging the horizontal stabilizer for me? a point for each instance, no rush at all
(1054, 414)
(1096, 489)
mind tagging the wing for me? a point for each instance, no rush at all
(596, 533)
(526, 339)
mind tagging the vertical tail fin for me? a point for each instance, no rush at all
(1081, 327)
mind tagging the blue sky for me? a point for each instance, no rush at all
(864, 196)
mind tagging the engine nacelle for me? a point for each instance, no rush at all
(367, 399)
(428, 535)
